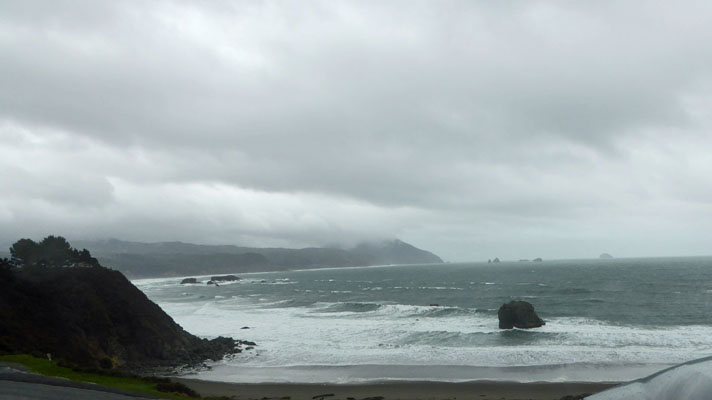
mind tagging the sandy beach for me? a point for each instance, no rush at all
(476, 390)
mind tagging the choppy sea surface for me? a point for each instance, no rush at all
(607, 320)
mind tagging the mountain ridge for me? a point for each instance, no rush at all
(165, 259)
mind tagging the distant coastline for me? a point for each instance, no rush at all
(172, 259)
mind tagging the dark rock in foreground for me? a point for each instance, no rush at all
(576, 397)
(94, 317)
(224, 278)
(518, 314)
(188, 280)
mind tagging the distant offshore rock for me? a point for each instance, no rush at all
(605, 256)
(496, 260)
(188, 280)
(518, 314)
(538, 259)
(224, 278)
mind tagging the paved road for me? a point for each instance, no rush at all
(11, 390)
(19, 385)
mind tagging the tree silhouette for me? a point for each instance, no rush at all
(24, 250)
(52, 251)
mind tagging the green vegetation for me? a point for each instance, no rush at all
(146, 385)
(52, 251)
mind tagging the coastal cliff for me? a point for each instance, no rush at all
(94, 317)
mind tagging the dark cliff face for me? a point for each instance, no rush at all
(86, 315)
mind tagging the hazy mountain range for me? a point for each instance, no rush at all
(143, 260)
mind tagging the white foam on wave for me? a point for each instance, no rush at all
(152, 284)
(233, 372)
(295, 341)
(396, 334)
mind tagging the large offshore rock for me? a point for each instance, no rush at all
(518, 314)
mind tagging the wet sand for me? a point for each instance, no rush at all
(480, 390)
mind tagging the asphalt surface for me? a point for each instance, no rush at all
(20, 385)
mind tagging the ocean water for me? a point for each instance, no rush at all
(607, 320)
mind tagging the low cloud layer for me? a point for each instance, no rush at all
(518, 129)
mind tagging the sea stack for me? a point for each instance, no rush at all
(518, 314)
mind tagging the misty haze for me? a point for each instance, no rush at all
(395, 199)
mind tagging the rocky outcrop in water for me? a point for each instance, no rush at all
(224, 278)
(188, 280)
(518, 314)
(605, 256)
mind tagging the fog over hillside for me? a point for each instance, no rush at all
(140, 260)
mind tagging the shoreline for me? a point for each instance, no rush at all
(381, 373)
(418, 390)
(203, 276)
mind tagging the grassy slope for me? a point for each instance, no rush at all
(50, 368)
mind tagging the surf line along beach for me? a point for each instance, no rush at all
(513, 312)
(480, 390)
(440, 323)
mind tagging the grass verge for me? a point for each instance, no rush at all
(50, 368)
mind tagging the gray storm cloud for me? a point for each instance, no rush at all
(515, 129)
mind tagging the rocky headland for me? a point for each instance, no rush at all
(90, 316)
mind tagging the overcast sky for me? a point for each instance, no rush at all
(472, 129)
